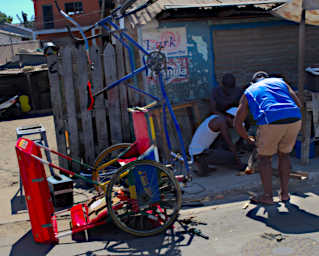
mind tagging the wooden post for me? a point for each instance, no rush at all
(81, 89)
(34, 103)
(70, 100)
(159, 131)
(123, 93)
(99, 107)
(57, 109)
(301, 74)
(113, 98)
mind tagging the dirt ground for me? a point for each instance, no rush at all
(9, 168)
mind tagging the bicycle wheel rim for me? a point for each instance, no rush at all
(154, 215)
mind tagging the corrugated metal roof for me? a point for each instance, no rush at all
(292, 11)
(145, 15)
(17, 71)
(21, 31)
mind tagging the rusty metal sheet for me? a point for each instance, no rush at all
(292, 11)
(162, 5)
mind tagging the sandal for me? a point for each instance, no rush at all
(263, 199)
(284, 199)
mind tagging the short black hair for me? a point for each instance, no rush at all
(229, 80)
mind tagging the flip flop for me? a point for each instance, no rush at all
(284, 200)
(261, 200)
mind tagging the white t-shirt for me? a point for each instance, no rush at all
(203, 137)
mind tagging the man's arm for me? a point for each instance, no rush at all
(240, 117)
(220, 124)
(294, 96)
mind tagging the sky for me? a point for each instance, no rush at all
(14, 7)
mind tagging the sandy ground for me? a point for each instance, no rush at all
(9, 169)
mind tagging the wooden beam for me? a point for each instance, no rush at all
(70, 102)
(34, 103)
(102, 133)
(301, 81)
(57, 107)
(113, 97)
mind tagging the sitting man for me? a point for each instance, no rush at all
(226, 96)
(203, 150)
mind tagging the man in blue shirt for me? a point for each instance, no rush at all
(276, 109)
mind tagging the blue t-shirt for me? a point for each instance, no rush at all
(269, 100)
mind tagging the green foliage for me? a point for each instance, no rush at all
(4, 18)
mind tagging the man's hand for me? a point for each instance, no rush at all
(251, 140)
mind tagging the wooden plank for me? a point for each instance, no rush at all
(191, 119)
(305, 143)
(160, 135)
(125, 121)
(34, 102)
(113, 98)
(133, 96)
(70, 101)
(315, 113)
(197, 116)
(301, 175)
(99, 106)
(57, 109)
(81, 80)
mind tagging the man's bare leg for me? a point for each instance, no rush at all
(265, 170)
(284, 167)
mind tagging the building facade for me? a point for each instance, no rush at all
(51, 25)
(202, 45)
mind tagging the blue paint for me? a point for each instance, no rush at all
(199, 63)
(238, 26)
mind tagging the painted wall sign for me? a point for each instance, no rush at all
(177, 71)
(172, 40)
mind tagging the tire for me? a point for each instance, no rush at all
(100, 166)
(156, 216)
(79, 236)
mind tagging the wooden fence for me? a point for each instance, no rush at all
(82, 134)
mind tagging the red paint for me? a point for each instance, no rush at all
(37, 194)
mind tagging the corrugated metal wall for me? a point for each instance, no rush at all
(270, 46)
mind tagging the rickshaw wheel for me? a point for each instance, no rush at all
(148, 209)
(100, 163)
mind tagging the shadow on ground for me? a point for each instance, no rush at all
(286, 218)
(26, 246)
(116, 241)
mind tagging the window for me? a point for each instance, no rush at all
(73, 8)
(48, 21)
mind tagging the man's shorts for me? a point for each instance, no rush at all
(274, 138)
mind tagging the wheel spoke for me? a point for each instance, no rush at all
(143, 214)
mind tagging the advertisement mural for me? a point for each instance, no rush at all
(171, 40)
(173, 44)
(176, 71)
